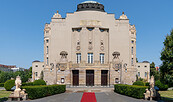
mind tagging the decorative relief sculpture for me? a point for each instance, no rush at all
(123, 16)
(78, 46)
(116, 61)
(101, 45)
(63, 57)
(132, 29)
(57, 15)
(90, 45)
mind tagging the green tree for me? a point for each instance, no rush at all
(166, 68)
(154, 72)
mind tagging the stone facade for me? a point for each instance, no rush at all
(37, 68)
(89, 48)
(143, 70)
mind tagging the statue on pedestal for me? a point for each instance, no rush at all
(18, 94)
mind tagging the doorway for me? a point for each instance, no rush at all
(75, 77)
(89, 77)
(104, 77)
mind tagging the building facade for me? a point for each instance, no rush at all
(17, 69)
(6, 68)
(37, 68)
(89, 47)
(143, 70)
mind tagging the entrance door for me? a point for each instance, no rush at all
(75, 77)
(104, 77)
(89, 77)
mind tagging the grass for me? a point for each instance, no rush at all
(167, 95)
(4, 93)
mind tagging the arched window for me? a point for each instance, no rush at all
(90, 28)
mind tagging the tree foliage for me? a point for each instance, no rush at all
(154, 72)
(167, 60)
(25, 75)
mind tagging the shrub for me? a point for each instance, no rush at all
(39, 82)
(9, 84)
(28, 84)
(1, 84)
(139, 83)
(160, 85)
(35, 92)
(130, 90)
(147, 84)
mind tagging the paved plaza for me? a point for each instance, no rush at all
(100, 96)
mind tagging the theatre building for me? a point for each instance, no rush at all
(89, 47)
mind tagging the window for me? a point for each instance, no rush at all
(138, 66)
(62, 80)
(101, 58)
(145, 74)
(132, 62)
(132, 41)
(47, 41)
(78, 57)
(43, 66)
(90, 57)
(36, 74)
(47, 62)
(116, 80)
(47, 49)
(138, 74)
(132, 50)
(36, 65)
(145, 66)
(90, 28)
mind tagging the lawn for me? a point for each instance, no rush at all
(4, 93)
(167, 95)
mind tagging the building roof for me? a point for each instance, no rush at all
(7, 66)
(90, 2)
(36, 61)
(145, 62)
(90, 6)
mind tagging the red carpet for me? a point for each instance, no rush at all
(88, 97)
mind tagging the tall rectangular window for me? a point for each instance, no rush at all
(36, 74)
(132, 50)
(78, 57)
(138, 74)
(47, 49)
(90, 57)
(132, 62)
(145, 74)
(102, 58)
(47, 61)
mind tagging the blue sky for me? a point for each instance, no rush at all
(22, 25)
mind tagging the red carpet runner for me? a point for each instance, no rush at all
(88, 97)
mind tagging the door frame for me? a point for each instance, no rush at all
(104, 73)
(89, 77)
(75, 74)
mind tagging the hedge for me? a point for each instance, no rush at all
(35, 92)
(9, 84)
(161, 86)
(28, 84)
(139, 83)
(130, 90)
(1, 84)
(39, 82)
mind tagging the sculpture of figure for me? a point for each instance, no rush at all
(18, 83)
